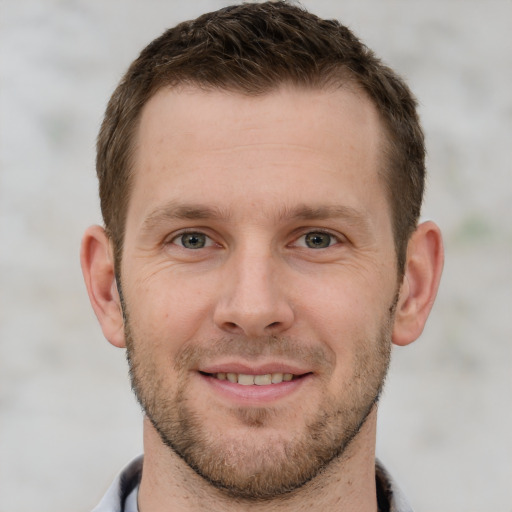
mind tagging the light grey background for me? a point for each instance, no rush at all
(68, 421)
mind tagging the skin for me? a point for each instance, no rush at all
(256, 176)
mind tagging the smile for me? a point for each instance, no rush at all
(250, 380)
(259, 387)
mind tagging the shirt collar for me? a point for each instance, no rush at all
(125, 483)
(122, 494)
(390, 494)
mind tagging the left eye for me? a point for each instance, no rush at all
(316, 240)
(193, 240)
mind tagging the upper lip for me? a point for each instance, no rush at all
(254, 369)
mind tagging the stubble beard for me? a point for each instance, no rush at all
(259, 471)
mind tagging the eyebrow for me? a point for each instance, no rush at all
(349, 214)
(304, 212)
(174, 211)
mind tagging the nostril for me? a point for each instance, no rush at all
(231, 326)
(273, 324)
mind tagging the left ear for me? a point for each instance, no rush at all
(418, 291)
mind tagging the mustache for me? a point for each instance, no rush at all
(252, 349)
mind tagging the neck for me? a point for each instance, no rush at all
(348, 483)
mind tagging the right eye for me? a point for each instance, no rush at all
(192, 240)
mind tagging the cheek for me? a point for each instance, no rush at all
(347, 316)
(343, 304)
(167, 312)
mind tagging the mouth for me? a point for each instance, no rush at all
(245, 379)
(244, 386)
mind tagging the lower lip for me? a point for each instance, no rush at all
(254, 394)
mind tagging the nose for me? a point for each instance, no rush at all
(253, 297)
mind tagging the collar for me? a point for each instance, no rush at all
(122, 494)
(125, 485)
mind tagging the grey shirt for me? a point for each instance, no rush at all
(122, 494)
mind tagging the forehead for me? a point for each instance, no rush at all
(211, 117)
(230, 148)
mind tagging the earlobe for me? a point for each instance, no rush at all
(418, 291)
(99, 275)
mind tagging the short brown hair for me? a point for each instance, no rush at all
(252, 49)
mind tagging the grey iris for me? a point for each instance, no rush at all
(318, 240)
(193, 240)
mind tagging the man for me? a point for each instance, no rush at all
(261, 177)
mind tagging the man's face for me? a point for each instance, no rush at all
(259, 278)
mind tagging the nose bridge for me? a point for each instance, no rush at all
(255, 269)
(253, 300)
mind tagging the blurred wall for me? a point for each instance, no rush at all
(68, 421)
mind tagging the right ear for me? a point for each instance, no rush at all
(99, 274)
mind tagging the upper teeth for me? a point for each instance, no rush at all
(259, 380)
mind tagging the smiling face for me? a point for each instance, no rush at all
(259, 279)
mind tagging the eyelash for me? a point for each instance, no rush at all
(209, 241)
(333, 239)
